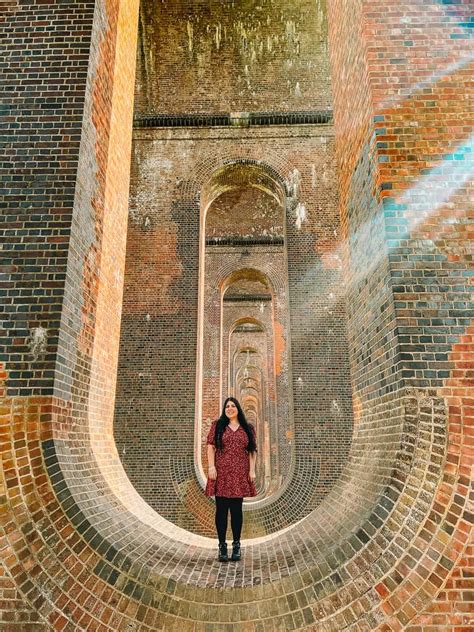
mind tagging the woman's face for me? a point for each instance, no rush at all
(231, 410)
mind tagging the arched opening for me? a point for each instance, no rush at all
(243, 338)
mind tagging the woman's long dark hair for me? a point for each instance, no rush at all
(223, 422)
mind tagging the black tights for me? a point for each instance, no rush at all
(223, 505)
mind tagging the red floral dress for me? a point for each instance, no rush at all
(232, 464)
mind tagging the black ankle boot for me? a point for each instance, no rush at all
(223, 555)
(235, 551)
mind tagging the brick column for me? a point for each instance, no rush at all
(401, 75)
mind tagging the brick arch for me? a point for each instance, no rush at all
(199, 185)
(251, 382)
(245, 273)
(314, 527)
(252, 385)
(248, 320)
(226, 270)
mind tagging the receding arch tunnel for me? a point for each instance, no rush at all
(238, 272)
(244, 282)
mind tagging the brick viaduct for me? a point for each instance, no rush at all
(349, 126)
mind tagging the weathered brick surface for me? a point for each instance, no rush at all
(390, 546)
(247, 56)
(17, 615)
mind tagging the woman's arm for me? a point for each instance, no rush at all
(253, 460)
(211, 453)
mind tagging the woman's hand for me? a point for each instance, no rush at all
(212, 472)
(252, 476)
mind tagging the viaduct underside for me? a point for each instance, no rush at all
(267, 199)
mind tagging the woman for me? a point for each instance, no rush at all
(231, 455)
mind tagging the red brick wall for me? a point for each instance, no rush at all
(63, 193)
(409, 121)
(43, 118)
(408, 112)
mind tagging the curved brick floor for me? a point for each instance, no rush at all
(377, 549)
